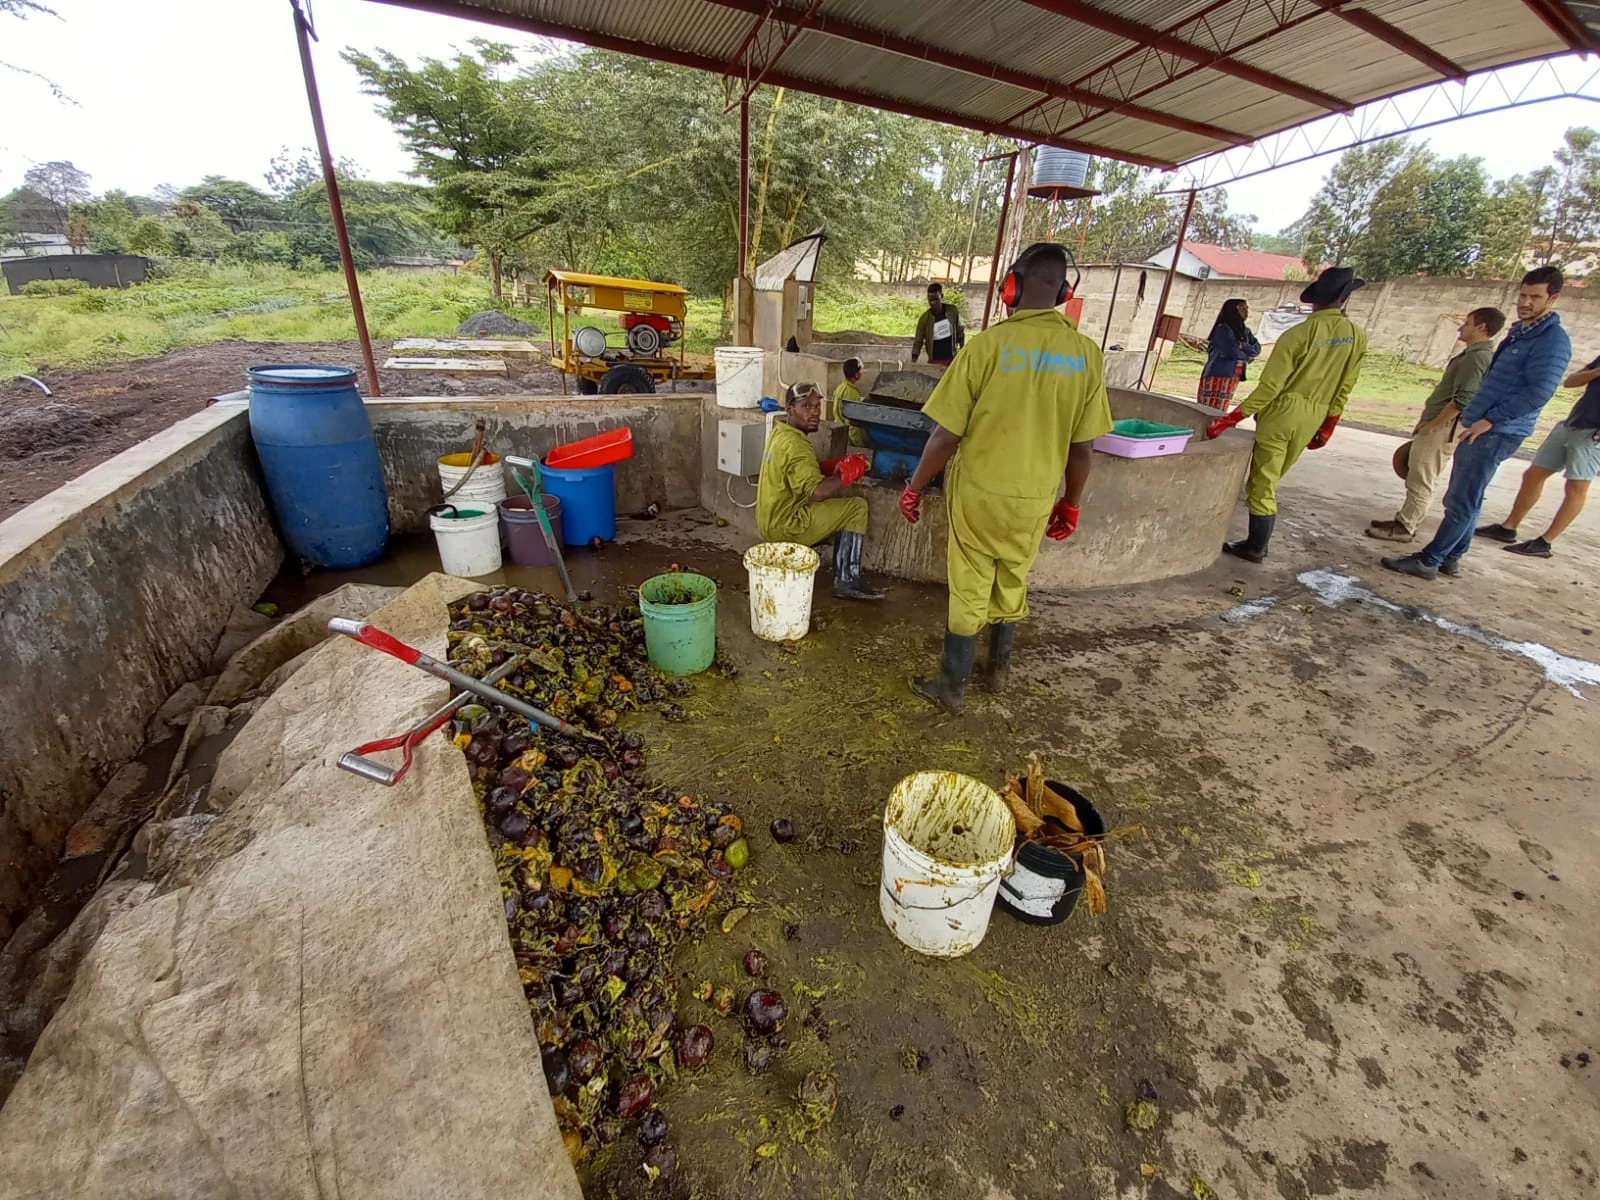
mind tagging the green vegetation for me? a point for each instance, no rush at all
(64, 324)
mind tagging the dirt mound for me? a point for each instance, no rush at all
(490, 323)
(46, 429)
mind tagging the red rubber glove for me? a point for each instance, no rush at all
(1320, 438)
(1063, 521)
(830, 466)
(852, 467)
(1222, 424)
(911, 504)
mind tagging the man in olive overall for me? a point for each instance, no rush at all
(798, 498)
(1018, 412)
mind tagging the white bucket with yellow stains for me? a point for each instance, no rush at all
(947, 841)
(782, 575)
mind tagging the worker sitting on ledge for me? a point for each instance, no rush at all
(798, 497)
(1019, 413)
(849, 391)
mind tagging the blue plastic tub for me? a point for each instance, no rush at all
(320, 462)
(588, 502)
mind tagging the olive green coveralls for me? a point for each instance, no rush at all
(785, 511)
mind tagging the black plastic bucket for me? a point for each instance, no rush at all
(1043, 887)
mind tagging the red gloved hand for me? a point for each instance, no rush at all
(1222, 424)
(1320, 438)
(911, 504)
(1063, 521)
(830, 466)
(852, 467)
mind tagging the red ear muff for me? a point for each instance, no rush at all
(1009, 289)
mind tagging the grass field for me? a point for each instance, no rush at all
(1389, 394)
(203, 304)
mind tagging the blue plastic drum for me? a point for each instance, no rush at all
(321, 465)
(588, 502)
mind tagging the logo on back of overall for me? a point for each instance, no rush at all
(1049, 362)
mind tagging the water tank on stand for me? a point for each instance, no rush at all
(1060, 174)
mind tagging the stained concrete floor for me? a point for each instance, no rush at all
(1355, 955)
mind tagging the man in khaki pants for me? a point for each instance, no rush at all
(1434, 439)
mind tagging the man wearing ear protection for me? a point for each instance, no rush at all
(1017, 411)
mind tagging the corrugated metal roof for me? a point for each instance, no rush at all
(1185, 79)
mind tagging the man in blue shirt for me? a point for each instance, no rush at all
(1524, 374)
(1571, 448)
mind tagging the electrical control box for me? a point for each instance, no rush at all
(740, 445)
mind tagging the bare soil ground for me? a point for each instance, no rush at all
(94, 414)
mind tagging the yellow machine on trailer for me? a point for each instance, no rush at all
(635, 357)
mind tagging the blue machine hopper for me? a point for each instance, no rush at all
(895, 433)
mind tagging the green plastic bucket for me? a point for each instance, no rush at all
(681, 638)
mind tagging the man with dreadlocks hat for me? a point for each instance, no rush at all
(1018, 412)
(1299, 400)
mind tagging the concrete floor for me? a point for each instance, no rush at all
(1356, 954)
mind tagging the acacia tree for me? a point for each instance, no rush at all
(61, 185)
(474, 137)
(1569, 197)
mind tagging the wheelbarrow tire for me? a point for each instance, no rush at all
(625, 379)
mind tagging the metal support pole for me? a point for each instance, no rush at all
(999, 235)
(744, 185)
(302, 30)
(1116, 282)
(1166, 287)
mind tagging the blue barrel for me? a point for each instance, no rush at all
(588, 502)
(321, 463)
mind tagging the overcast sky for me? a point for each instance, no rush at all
(167, 91)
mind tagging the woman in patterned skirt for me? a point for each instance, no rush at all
(1231, 345)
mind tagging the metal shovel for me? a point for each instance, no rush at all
(532, 490)
(370, 635)
(356, 762)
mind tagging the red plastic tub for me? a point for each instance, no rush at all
(601, 450)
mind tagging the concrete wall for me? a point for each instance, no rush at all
(1143, 519)
(113, 591)
(413, 432)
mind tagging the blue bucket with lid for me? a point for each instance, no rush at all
(588, 498)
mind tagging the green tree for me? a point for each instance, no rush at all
(1569, 194)
(197, 232)
(150, 235)
(1129, 221)
(1341, 211)
(1509, 214)
(475, 136)
(61, 185)
(1426, 217)
(106, 224)
(240, 205)
(1212, 223)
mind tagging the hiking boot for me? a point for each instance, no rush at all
(1532, 548)
(949, 687)
(1390, 531)
(1412, 565)
(1451, 567)
(1496, 533)
(1002, 637)
(847, 581)
(1254, 547)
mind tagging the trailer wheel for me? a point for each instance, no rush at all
(587, 387)
(625, 379)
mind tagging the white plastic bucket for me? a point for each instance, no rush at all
(484, 489)
(469, 540)
(781, 579)
(947, 841)
(739, 376)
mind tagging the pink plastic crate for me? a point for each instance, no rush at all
(1131, 447)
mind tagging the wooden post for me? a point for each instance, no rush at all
(1166, 288)
(302, 30)
(999, 236)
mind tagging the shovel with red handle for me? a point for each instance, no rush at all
(357, 763)
(377, 639)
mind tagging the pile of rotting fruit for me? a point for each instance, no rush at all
(603, 873)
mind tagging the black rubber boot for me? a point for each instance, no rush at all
(1002, 637)
(949, 687)
(847, 582)
(1254, 547)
